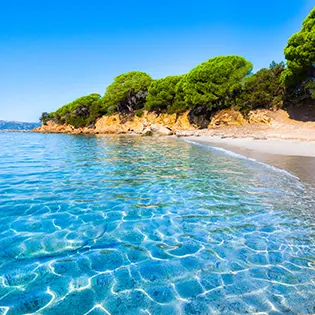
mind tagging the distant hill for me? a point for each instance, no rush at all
(17, 125)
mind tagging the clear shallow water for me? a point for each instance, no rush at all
(123, 225)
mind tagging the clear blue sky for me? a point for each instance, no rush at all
(52, 52)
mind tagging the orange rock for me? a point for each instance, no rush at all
(182, 123)
(260, 116)
(227, 117)
(115, 124)
(166, 119)
(134, 125)
(149, 118)
(161, 129)
(109, 124)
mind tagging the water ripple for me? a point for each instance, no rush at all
(126, 225)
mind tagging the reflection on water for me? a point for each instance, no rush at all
(128, 225)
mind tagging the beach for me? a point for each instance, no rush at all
(271, 146)
(294, 156)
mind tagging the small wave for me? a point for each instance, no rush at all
(243, 157)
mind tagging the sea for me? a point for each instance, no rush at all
(148, 225)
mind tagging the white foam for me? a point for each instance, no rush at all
(239, 156)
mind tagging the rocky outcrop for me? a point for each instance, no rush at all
(148, 124)
(164, 124)
(183, 123)
(164, 119)
(260, 116)
(161, 130)
(109, 124)
(52, 127)
(200, 116)
(227, 117)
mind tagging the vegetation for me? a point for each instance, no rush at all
(263, 89)
(179, 105)
(221, 82)
(162, 95)
(216, 82)
(299, 75)
(44, 117)
(82, 112)
(127, 93)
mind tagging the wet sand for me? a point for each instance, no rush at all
(296, 157)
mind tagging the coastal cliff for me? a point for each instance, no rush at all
(258, 124)
(148, 124)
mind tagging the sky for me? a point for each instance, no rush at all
(52, 52)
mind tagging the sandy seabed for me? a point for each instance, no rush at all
(294, 156)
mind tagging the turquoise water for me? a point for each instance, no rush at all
(126, 225)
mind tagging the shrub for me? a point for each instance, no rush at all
(263, 89)
(139, 112)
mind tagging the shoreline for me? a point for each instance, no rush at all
(294, 156)
(270, 146)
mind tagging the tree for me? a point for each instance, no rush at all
(127, 93)
(216, 82)
(212, 85)
(162, 95)
(44, 118)
(81, 112)
(179, 105)
(263, 89)
(299, 75)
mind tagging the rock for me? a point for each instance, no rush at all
(227, 117)
(114, 125)
(90, 131)
(147, 132)
(52, 127)
(109, 124)
(166, 120)
(135, 125)
(148, 123)
(76, 132)
(162, 119)
(200, 116)
(160, 129)
(182, 123)
(259, 117)
(68, 128)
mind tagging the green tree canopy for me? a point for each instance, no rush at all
(164, 95)
(216, 82)
(127, 93)
(179, 105)
(263, 89)
(44, 117)
(300, 56)
(81, 112)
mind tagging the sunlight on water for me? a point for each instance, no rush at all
(126, 225)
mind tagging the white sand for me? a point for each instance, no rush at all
(271, 146)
